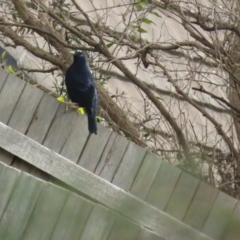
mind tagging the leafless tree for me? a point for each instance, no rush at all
(182, 57)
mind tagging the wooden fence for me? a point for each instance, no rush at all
(41, 118)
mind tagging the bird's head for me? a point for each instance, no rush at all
(79, 57)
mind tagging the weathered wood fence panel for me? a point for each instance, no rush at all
(34, 209)
(110, 156)
(93, 187)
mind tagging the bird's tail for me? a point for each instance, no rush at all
(92, 123)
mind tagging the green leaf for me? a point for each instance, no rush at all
(138, 6)
(145, 2)
(109, 44)
(10, 69)
(14, 16)
(99, 119)
(134, 38)
(141, 30)
(156, 14)
(147, 21)
(3, 55)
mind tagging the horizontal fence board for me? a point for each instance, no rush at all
(163, 185)
(111, 157)
(46, 212)
(129, 166)
(20, 207)
(219, 215)
(33, 205)
(73, 218)
(146, 234)
(43, 118)
(90, 158)
(146, 176)
(182, 196)
(99, 224)
(94, 187)
(201, 206)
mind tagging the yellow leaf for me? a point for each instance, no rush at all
(10, 69)
(80, 110)
(61, 99)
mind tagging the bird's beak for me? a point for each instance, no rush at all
(72, 52)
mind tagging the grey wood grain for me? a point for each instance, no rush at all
(146, 234)
(111, 156)
(4, 75)
(99, 224)
(25, 108)
(163, 185)
(22, 116)
(43, 118)
(6, 157)
(129, 166)
(73, 218)
(20, 207)
(9, 96)
(201, 206)
(146, 176)
(124, 229)
(93, 187)
(89, 158)
(8, 180)
(76, 140)
(182, 196)
(46, 212)
(10, 93)
(219, 216)
(60, 129)
(232, 231)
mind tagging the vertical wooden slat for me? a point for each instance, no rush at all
(60, 129)
(25, 108)
(9, 96)
(10, 93)
(43, 118)
(146, 176)
(89, 158)
(72, 219)
(163, 185)
(46, 212)
(8, 179)
(232, 231)
(219, 216)
(182, 196)
(20, 207)
(76, 140)
(129, 166)
(124, 229)
(99, 224)
(111, 156)
(4, 75)
(201, 206)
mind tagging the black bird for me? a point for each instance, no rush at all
(81, 88)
